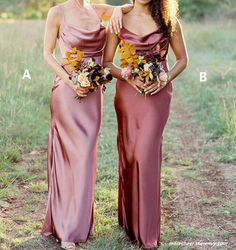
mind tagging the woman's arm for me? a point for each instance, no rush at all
(108, 60)
(178, 46)
(106, 10)
(50, 39)
(114, 14)
(109, 54)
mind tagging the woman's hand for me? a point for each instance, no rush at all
(114, 14)
(80, 91)
(115, 22)
(137, 84)
(154, 87)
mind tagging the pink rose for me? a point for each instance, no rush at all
(163, 76)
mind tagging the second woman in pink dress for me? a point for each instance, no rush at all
(151, 27)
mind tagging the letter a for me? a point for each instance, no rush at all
(26, 75)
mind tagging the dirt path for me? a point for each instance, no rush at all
(205, 198)
(201, 211)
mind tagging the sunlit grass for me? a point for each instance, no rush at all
(212, 103)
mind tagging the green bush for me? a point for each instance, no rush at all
(189, 9)
(200, 9)
(117, 2)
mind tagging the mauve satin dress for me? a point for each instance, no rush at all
(72, 145)
(141, 122)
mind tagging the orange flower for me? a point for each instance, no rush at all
(128, 54)
(74, 50)
(74, 57)
(80, 55)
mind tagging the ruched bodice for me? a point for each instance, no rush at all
(91, 42)
(154, 41)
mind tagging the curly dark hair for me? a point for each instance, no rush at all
(164, 13)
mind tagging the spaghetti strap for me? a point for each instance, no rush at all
(63, 22)
(94, 9)
(62, 16)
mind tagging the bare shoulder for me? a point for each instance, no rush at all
(177, 29)
(100, 8)
(55, 13)
(57, 10)
(178, 25)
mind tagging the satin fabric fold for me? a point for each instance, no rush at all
(141, 122)
(72, 146)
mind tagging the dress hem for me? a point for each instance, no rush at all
(76, 241)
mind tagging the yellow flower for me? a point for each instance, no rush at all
(74, 63)
(74, 57)
(128, 54)
(123, 63)
(96, 78)
(146, 76)
(80, 55)
(129, 60)
(74, 50)
(68, 55)
(132, 49)
(125, 55)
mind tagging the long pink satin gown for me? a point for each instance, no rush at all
(141, 122)
(72, 145)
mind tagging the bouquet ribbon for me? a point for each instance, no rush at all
(66, 66)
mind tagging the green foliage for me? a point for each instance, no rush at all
(26, 9)
(191, 9)
(117, 2)
(199, 9)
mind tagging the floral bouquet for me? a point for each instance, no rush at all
(89, 75)
(146, 66)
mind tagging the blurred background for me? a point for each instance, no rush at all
(191, 9)
(198, 183)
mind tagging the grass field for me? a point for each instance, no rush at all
(198, 174)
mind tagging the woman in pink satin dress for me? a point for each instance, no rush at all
(73, 134)
(151, 27)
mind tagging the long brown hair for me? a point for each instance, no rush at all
(164, 13)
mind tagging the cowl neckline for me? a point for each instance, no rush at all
(67, 26)
(156, 31)
(153, 41)
(98, 27)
